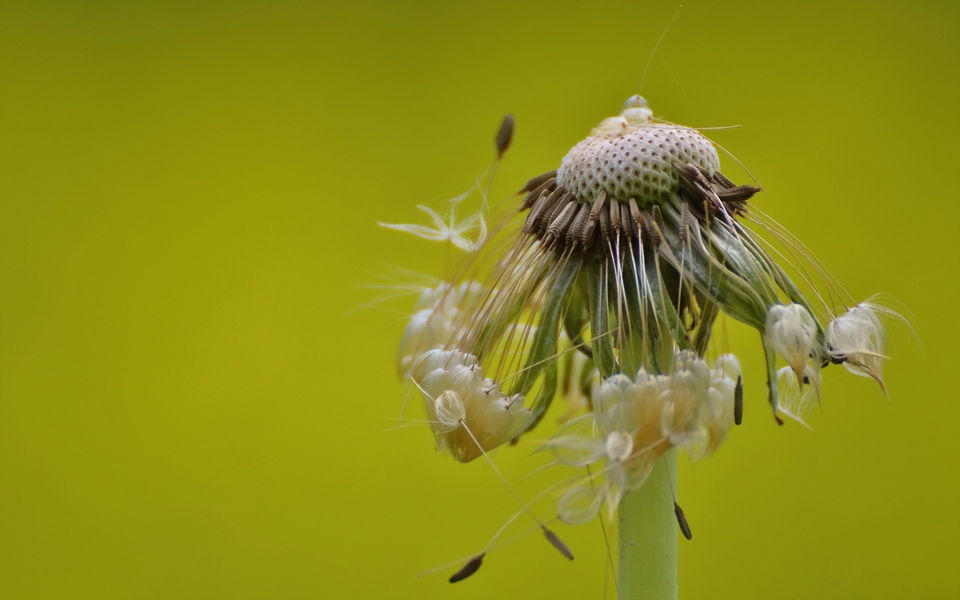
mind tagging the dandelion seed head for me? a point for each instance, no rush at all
(628, 156)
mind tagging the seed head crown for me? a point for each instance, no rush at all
(630, 156)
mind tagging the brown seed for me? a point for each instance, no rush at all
(682, 520)
(504, 135)
(556, 543)
(538, 184)
(559, 225)
(468, 569)
(738, 401)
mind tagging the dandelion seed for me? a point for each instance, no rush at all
(448, 231)
(791, 332)
(504, 135)
(557, 543)
(798, 398)
(682, 521)
(738, 401)
(468, 569)
(856, 339)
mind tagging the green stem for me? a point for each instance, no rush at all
(648, 536)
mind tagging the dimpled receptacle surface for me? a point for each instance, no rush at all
(637, 163)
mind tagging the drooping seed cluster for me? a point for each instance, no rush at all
(469, 414)
(639, 417)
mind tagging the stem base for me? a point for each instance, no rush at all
(648, 558)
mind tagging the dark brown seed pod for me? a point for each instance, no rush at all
(557, 543)
(682, 521)
(468, 569)
(504, 135)
(738, 401)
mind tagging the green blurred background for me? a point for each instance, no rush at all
(196, 400)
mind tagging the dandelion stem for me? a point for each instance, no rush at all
(648, 536)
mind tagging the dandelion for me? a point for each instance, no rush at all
(607, 295)
(449, 230)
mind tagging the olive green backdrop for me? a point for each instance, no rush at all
(197, 389)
